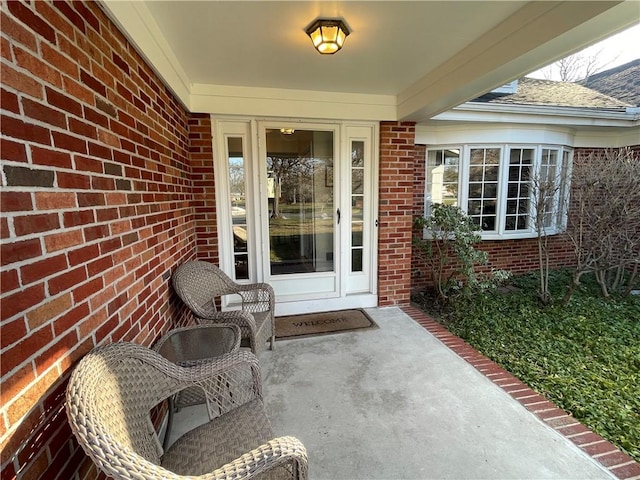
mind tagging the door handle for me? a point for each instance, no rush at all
(338, 212)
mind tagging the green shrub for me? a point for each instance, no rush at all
(449, 250)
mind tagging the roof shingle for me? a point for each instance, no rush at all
(622, 82)
(532, 91)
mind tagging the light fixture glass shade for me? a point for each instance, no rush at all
(327, 35)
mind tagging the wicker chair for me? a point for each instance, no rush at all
(200, 283)
(114, 387)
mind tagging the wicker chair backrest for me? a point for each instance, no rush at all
(109, 398)
(199, 283)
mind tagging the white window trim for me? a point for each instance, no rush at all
(503, 178)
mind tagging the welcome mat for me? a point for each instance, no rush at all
(322, 323)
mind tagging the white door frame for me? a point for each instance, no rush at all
(353, 289)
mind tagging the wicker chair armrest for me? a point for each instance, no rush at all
(245, 287)
(227, 381)
(221, 365)
(235, 317)
(277, 452)
(215, 366)
(258, 293)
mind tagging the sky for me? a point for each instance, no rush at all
(616, 50)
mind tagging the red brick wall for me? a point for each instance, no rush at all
(97, 209)
(204, 194)
(395, 212)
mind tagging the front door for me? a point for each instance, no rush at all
(296, 209)
(300, 206)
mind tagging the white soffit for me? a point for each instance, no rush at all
(403, 61)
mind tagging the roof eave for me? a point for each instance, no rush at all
(536, 114)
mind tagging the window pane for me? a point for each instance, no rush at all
(357, 181)
(356, 234)
(522, 222)
(488, 223)
(357, 154)
(239, 238)
(490, 190)
(549, 186)
(563, 193)
(475, 190)
(521, 160)
(442, 176)
(300, 201)
(477, 156)
(475, 174)
(356, 260)
(514, 156)
(483, 187)
(492, 156)
(357, 204)
(237, 199)
(475, 207)
(241, 267)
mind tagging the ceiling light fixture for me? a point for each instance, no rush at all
(327, 35)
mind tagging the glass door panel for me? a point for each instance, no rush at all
(357, 205)
(238, 205)
(300, 201)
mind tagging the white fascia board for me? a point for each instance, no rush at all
(275, 102)
(612, 138)
(458, 133)
(538, 114)
(136, 22)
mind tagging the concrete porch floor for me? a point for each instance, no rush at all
(395, 403)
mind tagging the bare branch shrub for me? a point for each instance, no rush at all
(604, 225)
(545, 191)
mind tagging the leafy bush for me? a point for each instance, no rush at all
(585, 357)
(449, 250)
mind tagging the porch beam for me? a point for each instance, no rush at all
(536, 35)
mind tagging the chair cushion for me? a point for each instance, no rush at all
(222, 440)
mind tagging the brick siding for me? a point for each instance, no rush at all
(100, 165)
(204, 194)
(395, 212)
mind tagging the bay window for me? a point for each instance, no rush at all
(498, 186)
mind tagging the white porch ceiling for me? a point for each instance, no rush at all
(404, 60)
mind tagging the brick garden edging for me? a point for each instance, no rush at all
(604, 452)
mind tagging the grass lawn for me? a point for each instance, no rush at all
(584, 357)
